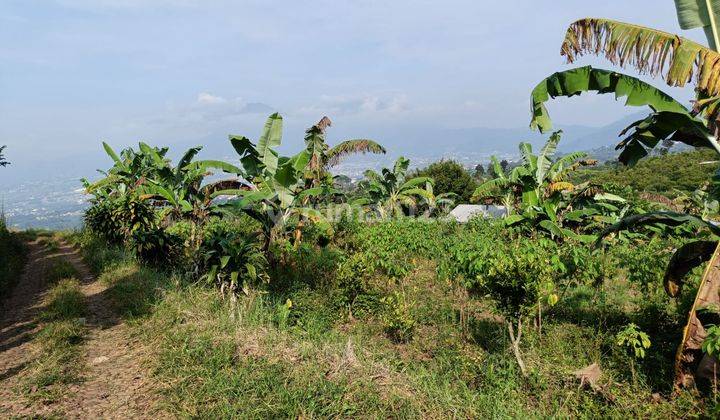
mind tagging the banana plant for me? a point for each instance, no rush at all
(390, 191)
(276, 187)
(536, 187)
(440, 203)
(678, 61)
(181, 190)
(323, 157)
(130, 170)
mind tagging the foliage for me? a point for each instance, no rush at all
(117, 219)
(234, 262)
(675, 58)
(156, 246)
(3, 161)
(582, 79)
(277, 192)
(633, 340)
(670, 175)
(711, 344)
(391, 193)
(324, 157)
(397, 316)
(538, 190)
(449, 176)
(12, 258)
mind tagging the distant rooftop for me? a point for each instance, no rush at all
(464, 212)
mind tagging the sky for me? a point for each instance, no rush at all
(75, 72)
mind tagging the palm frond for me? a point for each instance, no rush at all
(336, 154)
(676, 59)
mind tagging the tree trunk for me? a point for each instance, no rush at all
(298, 233)
(689, 352)
(515, 344)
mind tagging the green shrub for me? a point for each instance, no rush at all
(12, 258)
(156, 247)
(397, 316)
(117, 219)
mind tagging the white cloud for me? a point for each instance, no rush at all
(205, 98)
(361, 104)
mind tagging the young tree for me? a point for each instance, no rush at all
(3, 161)
(450, 177)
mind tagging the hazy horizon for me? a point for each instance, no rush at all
(75, 72)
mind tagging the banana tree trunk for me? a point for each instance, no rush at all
(689, 353)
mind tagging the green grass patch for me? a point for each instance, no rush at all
(64, 301)
(133, 289)
(60, 269)
(59, 357)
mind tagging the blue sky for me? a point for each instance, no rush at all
(73, 72)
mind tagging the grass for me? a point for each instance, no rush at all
(59, 358)
(60, 269)
(297, 353)
(223, 358)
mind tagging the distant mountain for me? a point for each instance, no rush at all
(600, 137)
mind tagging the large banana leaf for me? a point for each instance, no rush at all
(695, 14)
(678, 60)
(663, 217)
(270, 139)
(687, 257)
(585, 79)
(645, 134)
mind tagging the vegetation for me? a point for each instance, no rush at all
(59, 360)
(273, 293)
(12, 258)
(3, 161)
(672, 175)
(450, 178)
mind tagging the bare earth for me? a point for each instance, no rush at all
(115, 382)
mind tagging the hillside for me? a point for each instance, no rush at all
(666, 174)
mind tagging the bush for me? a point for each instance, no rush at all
(12, 258)
(231, 256)
(450, 177)
(397, 316)
(117, 219)
(156, 247)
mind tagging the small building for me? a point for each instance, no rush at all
(464, 212)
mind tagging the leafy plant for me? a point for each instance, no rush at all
(276, 190)
(390, 192)
(520, 276)
(711, 344)
(324, 157)
(635, 342)
(397, 316)
(537, 189)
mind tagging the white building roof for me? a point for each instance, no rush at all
(464, 212)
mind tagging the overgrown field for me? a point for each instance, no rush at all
(385, 321)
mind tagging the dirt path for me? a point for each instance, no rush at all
(115, 381)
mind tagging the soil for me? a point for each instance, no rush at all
(115, 381)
